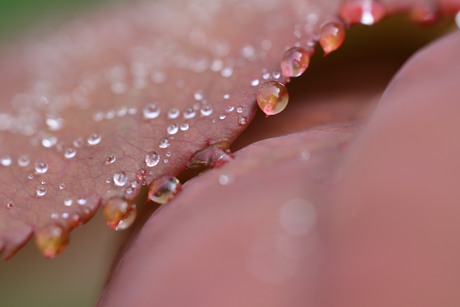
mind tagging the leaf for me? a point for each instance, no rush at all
(74, 100)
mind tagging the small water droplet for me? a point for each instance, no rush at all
(198, 95)
(78, 142)
(94, 139)
(242, 120)
(41, 167)
(222, 116)
(229, 109)
(184, 127)
(295, 61)
(23, 160)
(51, 240)
(62, 186)
(206, 110)
(239, 110)
(366, 12)
(68, 202)
(172, 129)
(189, 113)
(266, 76)
(30, 176)
(173, 113)
(227, 72)
(151, 111)
(119, 213)
(10, 204)
(54, 123)
(6, 161)
(272, 97)
(164, 143)
(70, 153)
(331, 37)
(49, 141)
(41, 191)
(120, 179)
(164, 189)
(226, 96)
(226, 179)
(110, 159)
(255, 82)
(141, 174)
(152, 159)
(81, 201)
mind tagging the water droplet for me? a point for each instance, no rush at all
(119, 213)
(239, 110)
(78, 142)
(173, 113)
(141, 174)
(255, 82)
(54, 123)
(10, 204)
(366, 12)
(152, 159)
(70, 153)
(189, 113)
(198, 95)
(68, 202)
(266, 76)
(164, 143)
(226, 72)
(276, 75)
(206, 110)
(41, 167)
(424, 13)
(49, 141)
(229, 109)
(295, 61)
(151, 111)
(110, 159)
(242, 120)
(222, 116)
(62, 186)
(41, 191)
(6, 161)
(272, 97)
(457, 19)
(172, 129)
(51, 240)
(226, 96)
(331, 37)
(184, 127)
(120, 179)
(23, 160)
(226, 179)
(30, 176)
(164, 189)
(94, 139)
(81, 201)
(211, 156)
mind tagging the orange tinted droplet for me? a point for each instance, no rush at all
(331, 37)
(424, 13)
(272, 98)
(366, 12)
(163, 189)
(119, 213)
(51, 240)
(295, 61)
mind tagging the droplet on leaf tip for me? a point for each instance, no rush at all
(211, 156)
(294, 63)
(163, 189)
(366, 12)
(272, 97)
(119, 213)
(51, 240)
(331, 37)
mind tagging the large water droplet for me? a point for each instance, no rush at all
(295, 61)
(366, 12)
(172, 129)
(151, 111)
(51, 240)
(120, 179)
(119, 213)
(164, 189)
(331, 37)
(189, 113)
(152, 159)
(41, 167)
(211, 156)
(272, 97)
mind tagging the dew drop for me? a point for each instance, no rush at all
(152, 159)
(227, 72)
(94, 139)
(68, 202)
(206, 110)
(172, 129)
(266, 76)
(255, 82)
(211, 156)
(198, 95)
(164, 143)
(10, 204)
(151, 111)
(6, 161)
(54, 123)
(40, 191)
(164, 189)
(424, 13)
(272, 97)
(242, 120)
(23, 160)
(239, 110)
(184, 127)
(222, 117)
(229, 109)
(366, 12)
(120, 179)
(226, 179)
(295, 61)
(78, 142)
(49, 141)
(41, 167)
(189, 113)
(110, 159)
(70, 153)
(51, 240)
(62, 186)
(331, 37)
(457, 19)
(119, 213)
(226, 96)
(81, 201)
(173, 113)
